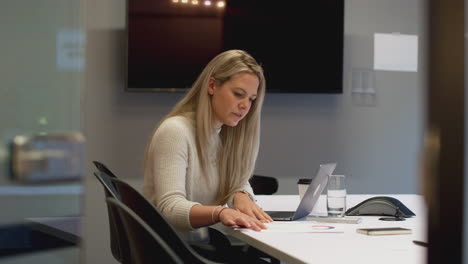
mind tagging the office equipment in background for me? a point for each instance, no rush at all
(310, 198)
(384, 231)
(382, 206)
(47, 157)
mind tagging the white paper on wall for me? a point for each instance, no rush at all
(70, 50)
(395, 52)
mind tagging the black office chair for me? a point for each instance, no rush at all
(263, 184)
(147, 246)
(219, 249)
(103, 168)
(118, 242)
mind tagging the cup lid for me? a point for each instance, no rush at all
(304, 181)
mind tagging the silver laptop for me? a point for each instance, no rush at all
(310, 198)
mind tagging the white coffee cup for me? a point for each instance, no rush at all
(302, 185)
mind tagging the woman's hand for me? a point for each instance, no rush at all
(243, 203)
(232, 217)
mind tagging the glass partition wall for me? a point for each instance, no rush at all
(41, 77)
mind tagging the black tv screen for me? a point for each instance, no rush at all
(299, 46)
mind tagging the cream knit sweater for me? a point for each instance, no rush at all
(173, 181)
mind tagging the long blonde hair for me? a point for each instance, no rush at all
(240, 144)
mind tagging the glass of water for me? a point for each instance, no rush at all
(336, 195)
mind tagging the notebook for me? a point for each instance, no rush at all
(310, 197)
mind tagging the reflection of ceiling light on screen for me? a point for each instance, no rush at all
(219, 4)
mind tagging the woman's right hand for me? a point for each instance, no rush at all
(232, 217)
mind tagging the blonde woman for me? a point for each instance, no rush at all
(201, 155)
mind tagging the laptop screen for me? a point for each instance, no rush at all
(316, 187)
(311, 196)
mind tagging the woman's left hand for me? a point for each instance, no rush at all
(243, 203)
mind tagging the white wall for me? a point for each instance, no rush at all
(376, 144)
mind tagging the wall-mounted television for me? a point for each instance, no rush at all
(299, 46)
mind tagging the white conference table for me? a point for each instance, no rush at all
(346, 247)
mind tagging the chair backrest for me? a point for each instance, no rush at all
(145, 244)
(151, 215)
(263, 184)
(103, 168)
(118, 243)
(106, 182)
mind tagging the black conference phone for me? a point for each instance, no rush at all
(382, 206)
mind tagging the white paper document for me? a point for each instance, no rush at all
(70, 49)
(299, 227)
(396, 52)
